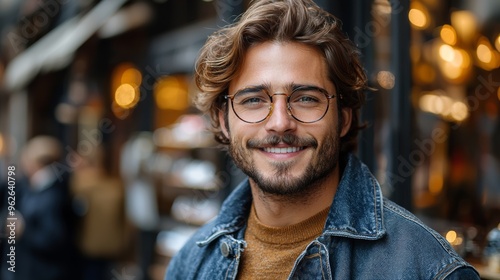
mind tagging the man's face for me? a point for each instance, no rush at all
(282, 155)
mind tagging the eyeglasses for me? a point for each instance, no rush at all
(306, 104)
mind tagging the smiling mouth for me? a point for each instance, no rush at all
(275, 150)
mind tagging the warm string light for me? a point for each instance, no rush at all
(439, 104)
(497, 43)
(125, 83)
(448, 34)
(419, 15)
(171, 93)
(455, 57)
(487, 57)
(453, 238)
(454, 63)
(126, 96)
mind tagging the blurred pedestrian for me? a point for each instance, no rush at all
(45, 245)
(102, 235)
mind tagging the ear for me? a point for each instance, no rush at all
(223, 125)
(346, 121)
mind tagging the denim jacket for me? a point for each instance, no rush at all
(365, 237)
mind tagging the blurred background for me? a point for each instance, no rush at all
(111, 82)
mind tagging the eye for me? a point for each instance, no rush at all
(251, 99)
(307, 97)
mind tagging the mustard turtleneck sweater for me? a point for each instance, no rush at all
(271, 251)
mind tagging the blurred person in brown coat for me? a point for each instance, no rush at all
(102, 233)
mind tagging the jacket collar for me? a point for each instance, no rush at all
(356, 211)
(357, 208)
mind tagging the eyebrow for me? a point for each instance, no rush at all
(267, 87)
(251, 89)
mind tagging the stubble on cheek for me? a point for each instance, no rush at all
(276, 177)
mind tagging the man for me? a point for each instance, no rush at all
(45, 245)
(283, 87)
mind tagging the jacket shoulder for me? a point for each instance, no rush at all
(398, 219)
(429, 248)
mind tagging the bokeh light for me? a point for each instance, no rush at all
(419, 16)
(386, 79)
(448, 34)
(487, 57)
(446, 107)
(171, 93)
(451, 236)
(465, 25)
(497, 43)
(126, 96)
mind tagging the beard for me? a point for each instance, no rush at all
(282, 182)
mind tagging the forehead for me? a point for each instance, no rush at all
(280, 64)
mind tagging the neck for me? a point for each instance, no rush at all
(278, 211)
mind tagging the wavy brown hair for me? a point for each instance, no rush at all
(299, 21)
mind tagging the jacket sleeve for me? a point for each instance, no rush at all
(463, 273)
(182, 265)
(175, 269)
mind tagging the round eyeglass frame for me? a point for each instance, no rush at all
(289, 108)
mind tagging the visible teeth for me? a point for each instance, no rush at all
(282, 150)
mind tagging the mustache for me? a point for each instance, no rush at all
(289, 139)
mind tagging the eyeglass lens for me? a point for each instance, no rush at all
(306, 104)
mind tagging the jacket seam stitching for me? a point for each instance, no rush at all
(389, 205)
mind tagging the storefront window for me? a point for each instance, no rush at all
(449, 173)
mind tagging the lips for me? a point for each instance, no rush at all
(282, 141)
(285, 150)
(282, 144)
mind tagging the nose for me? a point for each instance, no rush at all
(280, 120)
